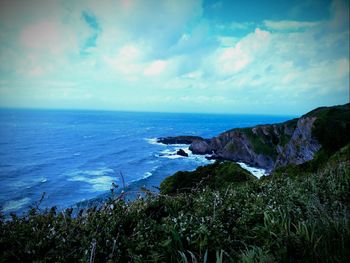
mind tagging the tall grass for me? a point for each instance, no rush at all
(280, 218)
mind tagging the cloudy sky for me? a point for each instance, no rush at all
(265, 57)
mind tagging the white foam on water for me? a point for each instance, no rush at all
(20, 184)
(102, 183)
(99, 172)
(97, 178)
(29, 183)
(147, 174)
(180, 145)
(43, 180)
(187, 150)
(172, 154)
(257, 172)
(154, 141)
(197, 157)
(14, 205)
(202, 158)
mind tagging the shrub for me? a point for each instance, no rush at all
(278, 218)
(215, 175)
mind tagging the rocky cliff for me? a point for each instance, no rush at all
(275, 145)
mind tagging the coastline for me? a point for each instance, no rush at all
(256, 171)
(136, 189)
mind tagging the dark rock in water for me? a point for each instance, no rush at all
(182, 153)
(179, 139)
(215, 157)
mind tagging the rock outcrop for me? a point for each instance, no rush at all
(302, 145)
(179, 139)
(257, 146)
(182, 153)
(200, 147)
(272, 146)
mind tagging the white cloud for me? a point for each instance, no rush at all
(289, 24)
(231, 60)
(127, 60)
(240, 25)
(167, 47)
(46, 35)
(197, 74)
(155, 68)
(226, 41)
(158, 23)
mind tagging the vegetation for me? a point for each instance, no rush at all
(260, 143)
(332, 127)
(214, 175)
(293, 215)
(266, 143)
(217, 213)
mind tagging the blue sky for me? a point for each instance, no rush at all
(259, 57)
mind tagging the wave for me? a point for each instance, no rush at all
(150, 173)
(154, 141)
(98, 184)
(14, 205)
(98, 172)
(42, 180)
(180, 145)
(18, 184)
(257, 172)
(27, 183)
(97, 178)
(146, 175)
(29, 169)
(171, 153)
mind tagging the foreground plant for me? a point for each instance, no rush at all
(292, 216)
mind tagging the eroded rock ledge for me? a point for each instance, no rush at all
(180, 139)
(269, 146)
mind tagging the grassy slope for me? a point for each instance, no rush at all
(290, 216)
(332, 127)
(213, 175)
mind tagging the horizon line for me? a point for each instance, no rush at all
(145, 111)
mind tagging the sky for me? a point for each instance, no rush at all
(282, 57)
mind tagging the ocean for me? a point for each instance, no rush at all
(75, 156)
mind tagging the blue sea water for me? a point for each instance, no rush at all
(74, 156)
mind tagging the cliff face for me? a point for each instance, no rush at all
(292, 142)
(302, 145)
